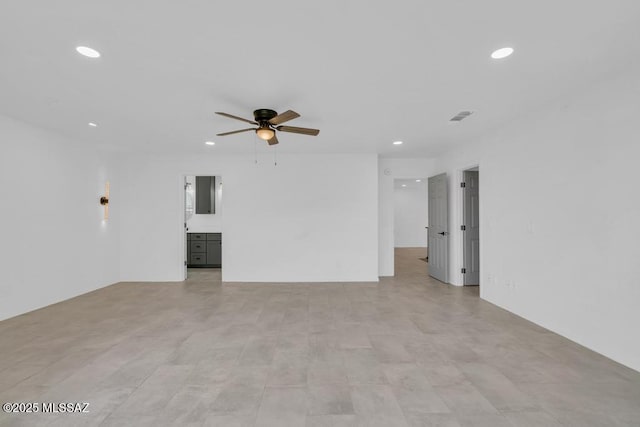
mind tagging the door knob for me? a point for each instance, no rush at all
(443, 233)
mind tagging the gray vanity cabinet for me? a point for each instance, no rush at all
(198, 252)
(204, 250)
(205, 195)
(214, 249)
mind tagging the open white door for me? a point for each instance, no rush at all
(471, 229)
(185, 229)
(438, 228)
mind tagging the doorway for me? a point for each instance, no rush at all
(471, 227)
(202, 227)
(410, 219)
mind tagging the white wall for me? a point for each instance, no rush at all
(388, 170)
(310, 218)
(54, 243)
(559, 209)
(209, 223)
(410, 213)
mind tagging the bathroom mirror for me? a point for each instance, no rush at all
(205, 195)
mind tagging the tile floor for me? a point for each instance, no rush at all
(408, 351)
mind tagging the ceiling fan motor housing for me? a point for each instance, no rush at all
(264, 115)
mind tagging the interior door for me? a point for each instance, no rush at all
(184, 228)
(438, 228)
(471, 233)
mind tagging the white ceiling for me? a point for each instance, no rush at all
(365, 73)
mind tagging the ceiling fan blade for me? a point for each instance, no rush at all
(273, 141)
(304, 131)
(235, 131)
(284, 117)
(236, 117)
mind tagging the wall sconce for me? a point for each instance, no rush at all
(104, 201)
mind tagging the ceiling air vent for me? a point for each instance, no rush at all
(460, 116)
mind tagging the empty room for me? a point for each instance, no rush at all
(409, 213)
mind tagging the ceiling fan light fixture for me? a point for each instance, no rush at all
(265, 133)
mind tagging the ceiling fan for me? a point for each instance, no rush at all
(268, 122)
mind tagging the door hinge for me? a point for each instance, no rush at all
(463, 184)
(463, 227)
(463, 270)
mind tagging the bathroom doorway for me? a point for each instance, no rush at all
(202, 226)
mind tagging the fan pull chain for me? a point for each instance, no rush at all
(275, 156)
(255, 149)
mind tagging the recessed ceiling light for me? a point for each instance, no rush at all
(404, 185)
(502, 53)
(93, 125)
(210, 143)
(397, 143)
(418, 180)
(88, 52)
